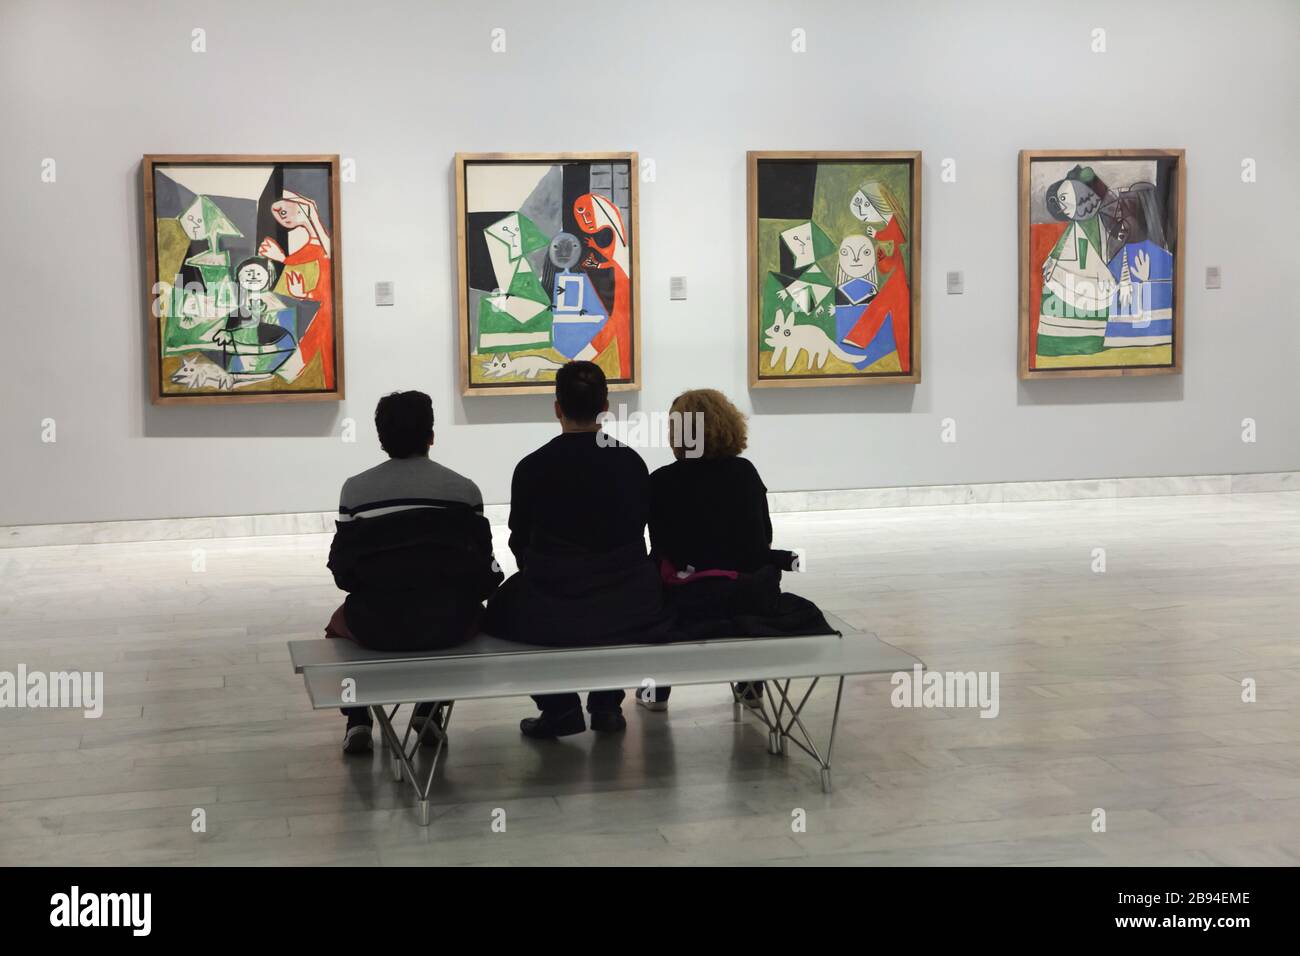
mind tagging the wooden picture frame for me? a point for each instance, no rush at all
(847, 304)
(210, 301)
(1133, 342)
(607, 242)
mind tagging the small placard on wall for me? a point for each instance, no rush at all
(676, 287)
(956, 283)
(1213, 278)
(383, 293)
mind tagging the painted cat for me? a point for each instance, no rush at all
(502, 365)
(195, 374)
(788, 340)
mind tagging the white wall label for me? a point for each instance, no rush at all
(676, 287)
(1213, 278)
(383, 293)
(956, 283)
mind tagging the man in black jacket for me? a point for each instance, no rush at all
(578, 510)
(412, 549)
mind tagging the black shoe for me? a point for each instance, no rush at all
(422, 713)
(357, 738)
(550, 726)
(608, 721)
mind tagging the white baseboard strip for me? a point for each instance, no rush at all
(780, 502)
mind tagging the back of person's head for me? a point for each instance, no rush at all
(404, 421)
(581, 391)
(704, 423)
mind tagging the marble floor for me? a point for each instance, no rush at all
(1120, 690)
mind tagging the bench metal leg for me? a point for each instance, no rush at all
(785, 724)
(388, 740)
(769, 712)
(403, 754)
(737, 704)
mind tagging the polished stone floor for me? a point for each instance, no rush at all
(1120, 690)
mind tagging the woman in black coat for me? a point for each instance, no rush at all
(711, 534)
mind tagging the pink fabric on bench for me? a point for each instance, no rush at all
(670, 575)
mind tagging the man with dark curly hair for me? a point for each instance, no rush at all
(412, 549)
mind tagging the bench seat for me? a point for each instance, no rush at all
(487, 667)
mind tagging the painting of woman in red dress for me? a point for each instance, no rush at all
(309, 242)
(595, 214)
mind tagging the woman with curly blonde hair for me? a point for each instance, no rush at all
(708, 509)
(711, 534)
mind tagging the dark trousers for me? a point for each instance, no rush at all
(597, 701)
(338, 628)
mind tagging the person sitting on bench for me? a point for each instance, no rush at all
(578, 508)
(711, 536)
(412, 549)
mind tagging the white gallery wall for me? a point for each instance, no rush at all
(399, 87)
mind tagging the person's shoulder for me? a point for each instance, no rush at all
(668, 472)
(361, 476)
(356, 484)
(455, 486)
(746, 467)
(621, 455)
(661, 479)
(540, 453)
(631, 457)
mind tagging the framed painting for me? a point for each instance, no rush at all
(547, 255)
(243, 263)
(1101, 262)
(834, 268)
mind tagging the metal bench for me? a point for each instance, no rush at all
(486, 667)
